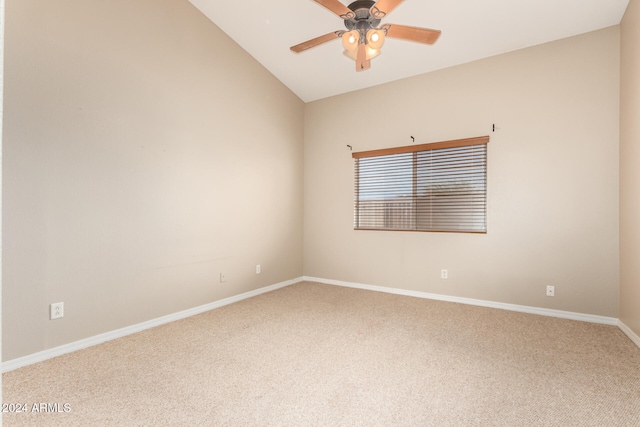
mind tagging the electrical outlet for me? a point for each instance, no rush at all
(56, 310)
(223, 278)
(551, 291)
(258, 269)
(444, 274)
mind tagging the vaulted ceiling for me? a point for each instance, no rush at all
(471, 30)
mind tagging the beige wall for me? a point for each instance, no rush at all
(630, 168)
(552, 178)
(144, 153)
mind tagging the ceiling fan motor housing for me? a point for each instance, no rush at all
(363, 19)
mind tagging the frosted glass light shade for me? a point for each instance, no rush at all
(370, 53)
(375, 38)
(350, 40)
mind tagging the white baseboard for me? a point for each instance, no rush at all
(41, 356)
(628, 332)
(482, 303)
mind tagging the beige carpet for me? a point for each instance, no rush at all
(319, 355)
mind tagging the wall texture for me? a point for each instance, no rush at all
(552, 178)
(630, 168)
(144, 153)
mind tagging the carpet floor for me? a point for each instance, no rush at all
(319, 355)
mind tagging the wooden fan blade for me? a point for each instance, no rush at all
(414, 34)
(362, 63)
(315, 42)
(338, 8)
(383, 7)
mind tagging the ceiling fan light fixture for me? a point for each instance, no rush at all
(370, 53)
(375, 38)
(350, 40)
(351, 54)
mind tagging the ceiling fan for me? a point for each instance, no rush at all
(364, 38)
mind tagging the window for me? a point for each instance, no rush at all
(430, 187)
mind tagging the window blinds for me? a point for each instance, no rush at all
(429, 187)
